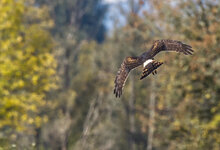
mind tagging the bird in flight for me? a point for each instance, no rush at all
(147, 59)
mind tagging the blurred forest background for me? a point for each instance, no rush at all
(59, 58)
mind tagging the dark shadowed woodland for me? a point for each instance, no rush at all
(59, 58)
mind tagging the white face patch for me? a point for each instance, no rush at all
(147, 62)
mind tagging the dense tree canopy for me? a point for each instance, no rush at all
(176, 109)
(27, 68)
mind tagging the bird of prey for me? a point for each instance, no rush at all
(147, 59)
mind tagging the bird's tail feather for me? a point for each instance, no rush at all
(150, 68)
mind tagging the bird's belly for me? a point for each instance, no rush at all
(147, 62)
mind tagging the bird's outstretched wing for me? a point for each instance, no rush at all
(127, 65)
(170, 45)
(150, 67)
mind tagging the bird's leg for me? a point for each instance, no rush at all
(154, 72)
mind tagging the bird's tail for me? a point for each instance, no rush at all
(150, 68)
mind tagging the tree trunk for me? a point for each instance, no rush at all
(132, 114)
(66, 69)
(37, 138)
(91, 118)
(63, 146)
(151, 117)
(65, 130)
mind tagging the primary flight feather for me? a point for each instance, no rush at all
(147, 59)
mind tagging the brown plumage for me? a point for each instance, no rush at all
(130, 63)
(150, 68)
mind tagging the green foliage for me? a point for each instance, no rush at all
(78, 27)
(82, 113)
(27, 68)
(194, 89)
(187, 115)
(85, 18)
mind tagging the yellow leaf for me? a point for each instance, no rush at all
(34, 79)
